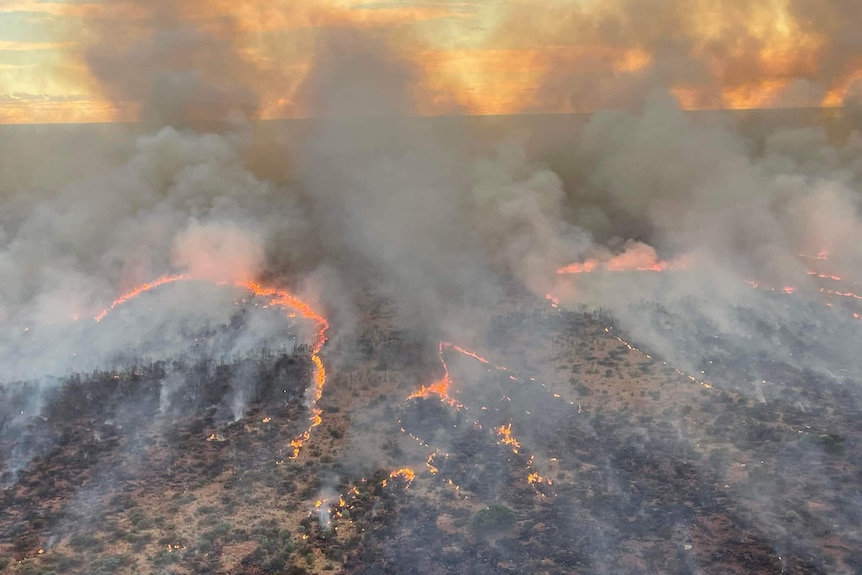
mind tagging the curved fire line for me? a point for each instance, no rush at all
(278, 297)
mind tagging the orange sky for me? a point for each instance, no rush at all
(480, 57)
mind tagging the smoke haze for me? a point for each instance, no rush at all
(709, 240)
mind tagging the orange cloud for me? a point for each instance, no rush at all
(254, 56)
(52, 111)
(710, 54)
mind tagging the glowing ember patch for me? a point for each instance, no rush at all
(691, 378)
(505, 432)
(429, 463)
(841, 294)
(439, 388)
(468, 353)
(822, 255)
(405, 473)
(824, 276)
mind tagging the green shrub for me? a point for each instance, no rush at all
(165, 557)
(81, 542)
(832, 443)
(493, 520)
(107, 565)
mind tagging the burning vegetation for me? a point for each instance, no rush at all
(622, 342)
(594, 457)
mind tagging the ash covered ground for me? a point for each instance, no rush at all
(584, 454)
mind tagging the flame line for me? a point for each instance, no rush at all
(132, 294)
(278, 297)
(504, 432)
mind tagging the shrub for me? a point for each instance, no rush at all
(82, 542)
(164, 557)
(832, 443)
(107, 565)
(65, 563)
(493, 520)
(222, 528)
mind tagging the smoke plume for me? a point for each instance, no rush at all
(707, 239)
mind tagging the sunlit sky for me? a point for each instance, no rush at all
(481, 57)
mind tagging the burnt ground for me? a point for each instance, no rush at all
(642, 470)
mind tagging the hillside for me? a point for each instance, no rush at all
(590, 457)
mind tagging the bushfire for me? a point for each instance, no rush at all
(645, 260)
(506, 438)
(405, 474)
(626, 262)
(441, 388)
(292, 306)
(135, 292)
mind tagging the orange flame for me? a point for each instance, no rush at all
(466, 352)
(440, 387)
(625, 262)
(404, 473)
(848, 294)
(132, 294)
(505, 432)
(278, 297)
(821, 276)
(287, 300)
(822, 255)
(429, 463)
(474, 355)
